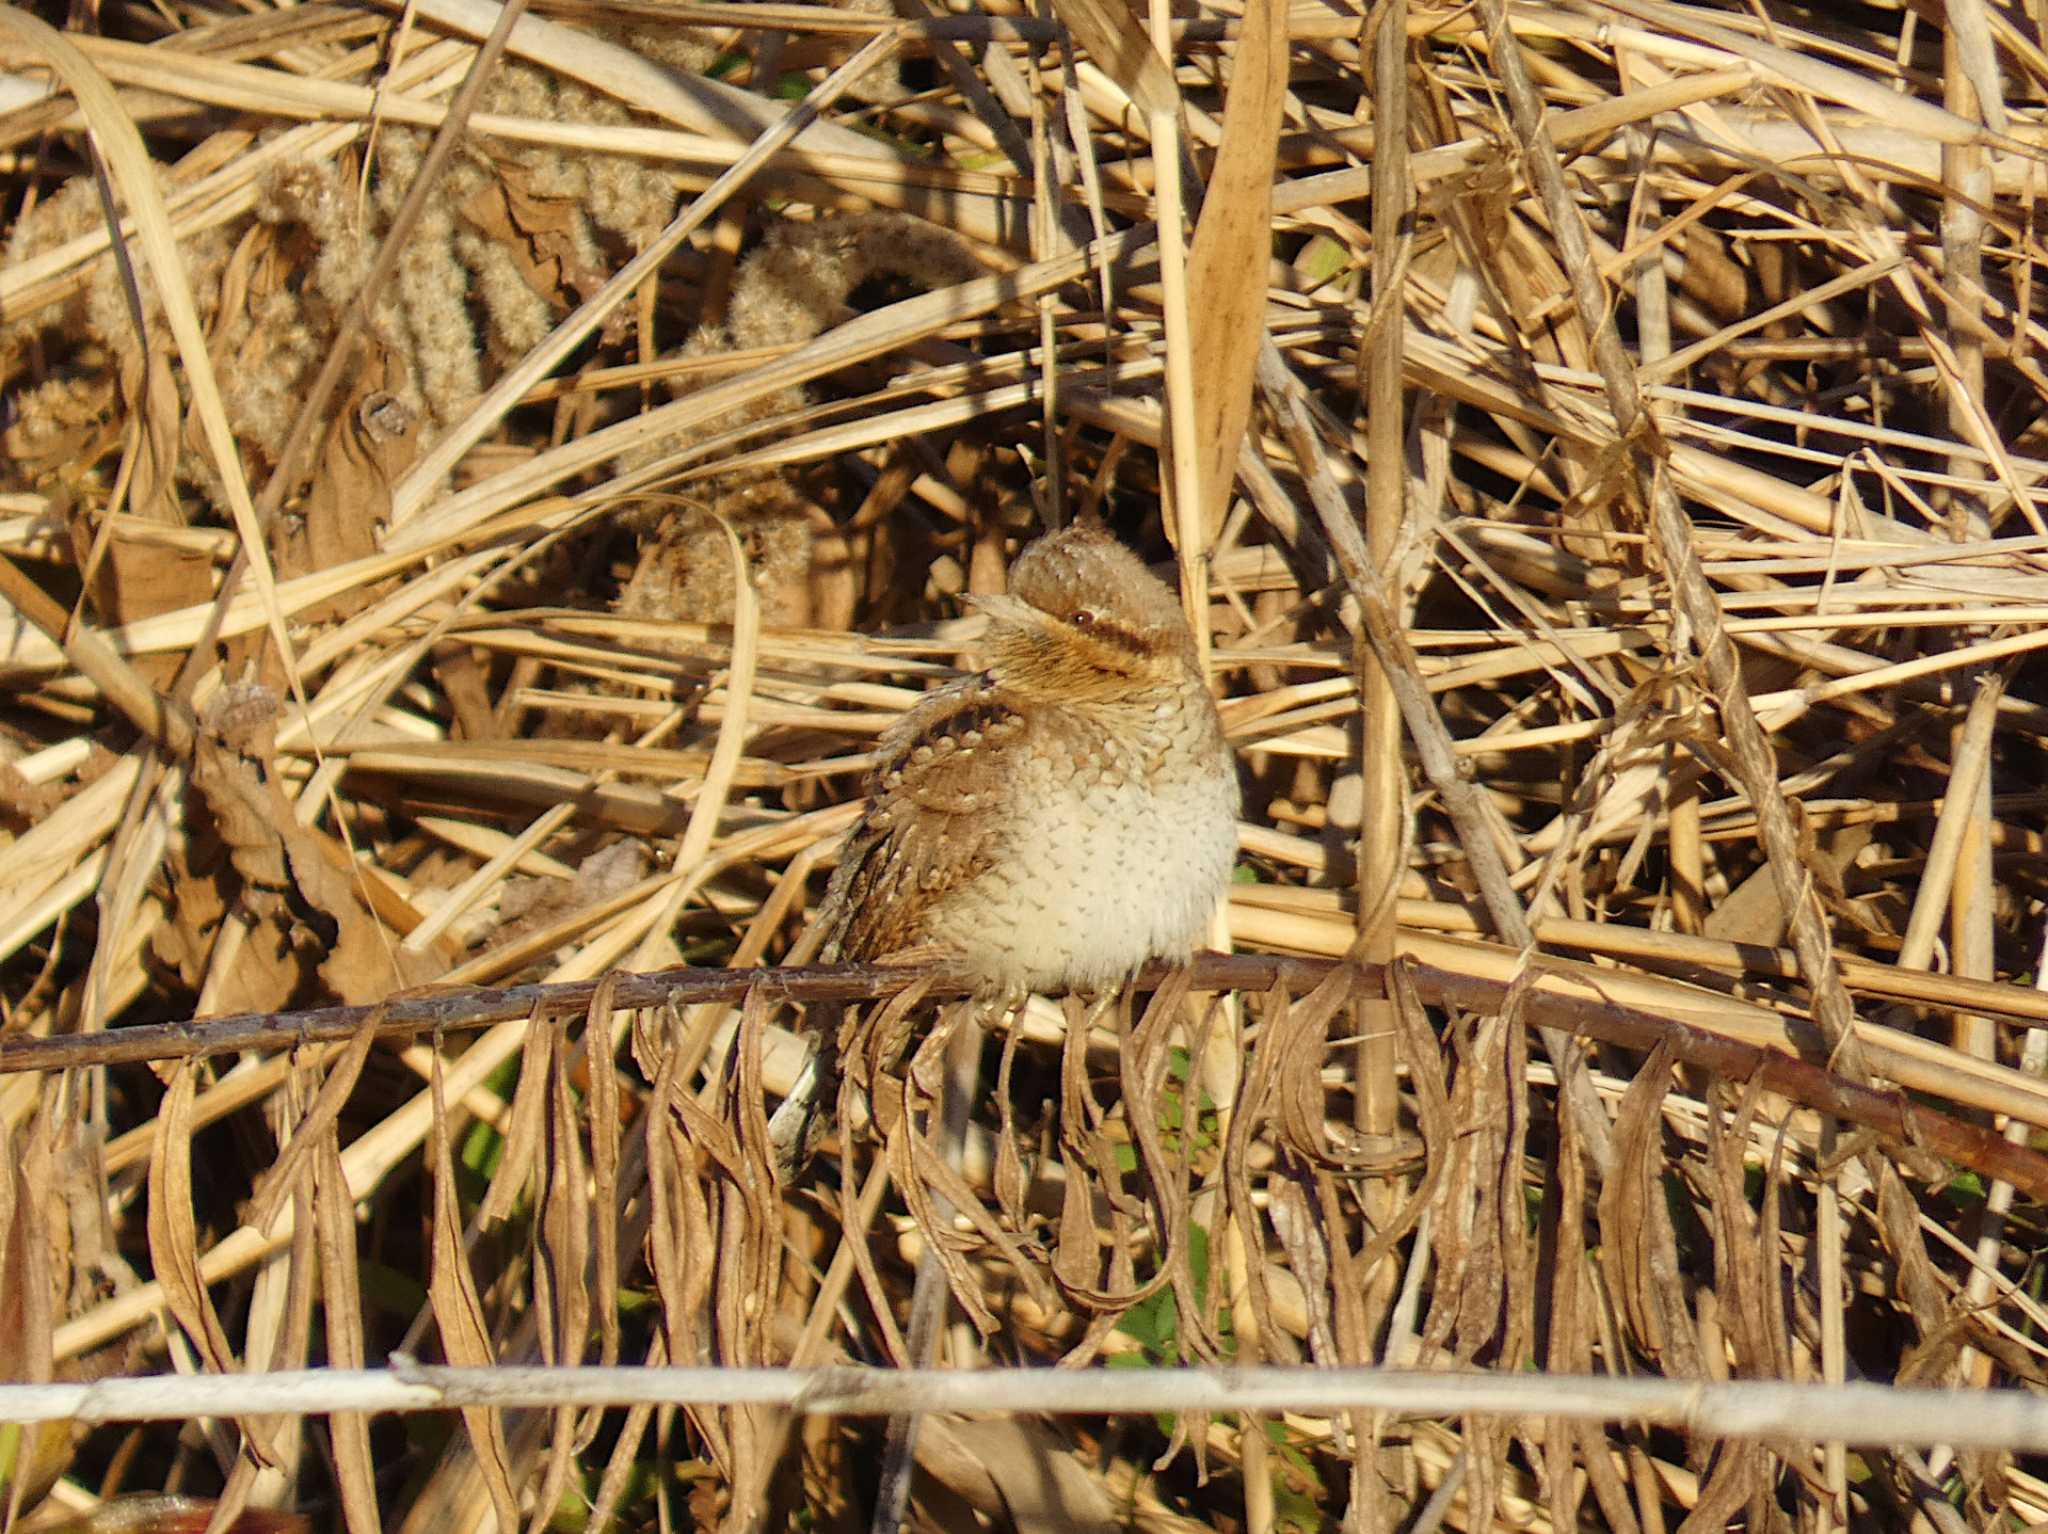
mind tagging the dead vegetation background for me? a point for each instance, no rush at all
(1627, 597)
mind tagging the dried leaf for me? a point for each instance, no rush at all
(374, 439)
(316, 1129)
(32, 1456)
(605, 1126)
(1256, 1092)
(1232, 245)
(1626, 1221)
(335, 1219)
(561, 1294)
(682, 1242)
(1308, 1255)
(129, 580)
(244, 804)
(1466, 1310)
(149, 390)
(523, 1129)
(1077, 1248)
(233, 767)
(915, 1174)
(1147, 1061)
(1738, 1473)
(541, 234)
(173, 1231)
(27, 1292)
(1571, 1332)
(459, 1314)
(1012, 1182)
(1738, 1258)
(1020, 1472)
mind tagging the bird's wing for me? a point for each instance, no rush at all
(929, 827)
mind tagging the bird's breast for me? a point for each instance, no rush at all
(1118, 845)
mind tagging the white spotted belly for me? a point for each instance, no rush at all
(1096, 881)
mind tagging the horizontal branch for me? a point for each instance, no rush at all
(1565, 994)
(1857, 1414)
(467, 1008)
(1885, 1109)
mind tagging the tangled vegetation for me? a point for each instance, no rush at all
(472, 525)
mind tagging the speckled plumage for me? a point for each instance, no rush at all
(1056, 820)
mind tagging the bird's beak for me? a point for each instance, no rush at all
(1010, 610)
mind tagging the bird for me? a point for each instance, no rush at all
(1046, 824)
(1055, 820)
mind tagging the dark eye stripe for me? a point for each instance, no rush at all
(1116, 636)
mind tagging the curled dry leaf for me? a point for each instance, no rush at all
(373, 440)
(173, 1228)
(547, 238)
(31, 1458)
(289, 884)
(1627, 1221)
(459, 1314)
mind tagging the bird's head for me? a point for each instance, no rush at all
(1085, 620)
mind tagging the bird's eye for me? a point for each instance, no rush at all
(1085, 618)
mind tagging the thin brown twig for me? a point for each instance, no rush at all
(1890, 1113)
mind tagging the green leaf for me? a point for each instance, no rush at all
(391, 1290)
(1198, 1261)
(1321, 259)
(1154, 1324)
(482, 1148)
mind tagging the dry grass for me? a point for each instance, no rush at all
(1626, 600)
